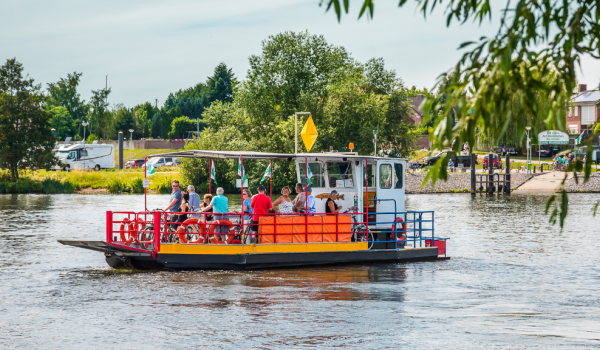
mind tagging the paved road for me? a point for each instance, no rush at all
(546, 183)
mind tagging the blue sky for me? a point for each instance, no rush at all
(151, 48)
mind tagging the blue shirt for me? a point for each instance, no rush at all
(310, 202)
(220, 204)
(175, 195)
(194, 202)
(247, 203)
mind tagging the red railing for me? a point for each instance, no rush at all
(147, 230)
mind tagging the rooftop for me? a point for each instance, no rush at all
(587, 96)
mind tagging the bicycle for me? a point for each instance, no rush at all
(359, 230)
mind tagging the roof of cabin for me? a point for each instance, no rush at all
(257, 155)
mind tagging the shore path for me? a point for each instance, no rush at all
(545, 183)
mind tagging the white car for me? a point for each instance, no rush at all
(159, 162)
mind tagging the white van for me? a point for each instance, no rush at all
(94, 156)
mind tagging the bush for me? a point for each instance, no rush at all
(136, 185)
(161, 185)
(115, 186)
(55, 186)
(91, 138)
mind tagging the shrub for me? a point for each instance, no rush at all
(55, 186)
(136, 185)
(115, 186)
(162, 185)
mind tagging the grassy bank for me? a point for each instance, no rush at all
(124, 181)
(140, 154)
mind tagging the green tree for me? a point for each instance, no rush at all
(535, 40)
(143, 119)
(64, 93)
(25, 137)
(156, 131)
(290, 65)
(180, 126)
(221, 84)
(99, 117)
(63, 122)
(124, 120)
(167, 118)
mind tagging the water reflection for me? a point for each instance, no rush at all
(513, 281)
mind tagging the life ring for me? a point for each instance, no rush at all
(131, 231)
(213, 238)
(182, 231)
(403, 233)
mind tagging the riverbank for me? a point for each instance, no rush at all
(592, 186)
(457, 183)
(76, 181)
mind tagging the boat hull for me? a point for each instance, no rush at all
(278, 260)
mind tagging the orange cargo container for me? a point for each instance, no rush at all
(299, 229)
(315, 229)
(342, 229)
(284, 225)
(266, 226)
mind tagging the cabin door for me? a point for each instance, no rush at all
(385, 192)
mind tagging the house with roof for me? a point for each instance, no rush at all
(584, 111)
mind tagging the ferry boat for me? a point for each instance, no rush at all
(374, 228)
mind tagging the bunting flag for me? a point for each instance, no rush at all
(267, 173)
(578, 141)
(241, 172)
(310, 174)
(213, 172)
(149, 170)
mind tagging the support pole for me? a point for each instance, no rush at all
(473, 184)
(507, 177)
(490, 182)
(271, 181)
(120, 150)
(145, 176)
(242, 195)
(209, 173)
(306, 199)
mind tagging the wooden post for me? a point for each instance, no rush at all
(507, 177)
(473, 160)
(490, 182)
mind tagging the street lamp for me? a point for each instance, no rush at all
(84, 124)
(528, 149)
(130, 144)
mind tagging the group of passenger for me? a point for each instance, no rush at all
(563, 161)
(257, 205)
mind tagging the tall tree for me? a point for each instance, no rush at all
(99, 117)
(143, 117)
(291, 64)
(25, 136)
(64, 93)
(124, 120)
(63, 122)
(221, 84)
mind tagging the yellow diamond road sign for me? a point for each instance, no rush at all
(309, 134)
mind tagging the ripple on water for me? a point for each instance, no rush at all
(513, 281)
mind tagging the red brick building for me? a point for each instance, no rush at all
(584, 111)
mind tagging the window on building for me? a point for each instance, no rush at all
(573, 129)
(576, 111)
(588, 115)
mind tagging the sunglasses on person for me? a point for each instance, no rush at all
(175, 185)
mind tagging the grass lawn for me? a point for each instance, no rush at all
(140, 154)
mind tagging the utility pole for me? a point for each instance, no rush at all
(375, 142)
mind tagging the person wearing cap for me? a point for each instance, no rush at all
(310, 201)
(330, 206)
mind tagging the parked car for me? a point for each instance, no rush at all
(548, 151)
(503, 150)
(496, 161)
(457, 159)
(135, 163)
(158, 162)
(175, 162)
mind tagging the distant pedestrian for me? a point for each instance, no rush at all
(584, 160)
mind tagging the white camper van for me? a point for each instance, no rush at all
(93, 156)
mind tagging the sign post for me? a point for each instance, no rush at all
(553, 137)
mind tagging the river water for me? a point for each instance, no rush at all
(513, 281)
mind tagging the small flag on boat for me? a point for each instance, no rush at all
(241, 171)
(578, 141)
(310, 174)
(213, 172)
(267, 173)
(149, 169)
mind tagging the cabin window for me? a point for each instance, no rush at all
(317, 178)
(370, 175)
(385, 176)
(398, 175)
(340, 175)
(72, 155)
(83, 153)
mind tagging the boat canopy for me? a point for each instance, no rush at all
(259, 155)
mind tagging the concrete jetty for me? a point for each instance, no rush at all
(543, 184)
